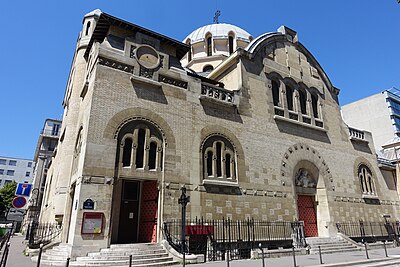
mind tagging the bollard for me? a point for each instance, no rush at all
(68, 259)
(130, 260)
(366, 249)
(294, 257)
(227, 258)
(262, 254)
(320, 255)
(40, 255)
(384, 246)
(6, 253)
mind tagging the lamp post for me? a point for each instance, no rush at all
(183, 200)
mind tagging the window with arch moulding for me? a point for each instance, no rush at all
(140, 147)
(296, 104)
(366, 181)
(219, 161)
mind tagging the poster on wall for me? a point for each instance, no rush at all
(92, 223)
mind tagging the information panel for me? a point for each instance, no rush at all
(92, 223)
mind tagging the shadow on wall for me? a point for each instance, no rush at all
(305, 132)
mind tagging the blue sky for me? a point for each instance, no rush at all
(356, 42)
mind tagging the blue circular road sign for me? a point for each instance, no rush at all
(19, 202)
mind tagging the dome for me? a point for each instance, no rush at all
(220, 30)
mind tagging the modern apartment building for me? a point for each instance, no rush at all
(378, 114)
(15, 169)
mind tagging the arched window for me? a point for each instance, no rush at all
(366, 180)
(303, 101)
(208, 68)
(209, 45)
(87, 28)
(77, 151)
(189, 54)
(219, 159)
(140, 146)
(289, 97)
(275, 92)
(230, 44)
(314, 103)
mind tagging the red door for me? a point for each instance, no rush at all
(307, 214)
(148, 212)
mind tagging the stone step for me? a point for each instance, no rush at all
(121, 257)
(331, 246)
(98, 262)
(158, 264)
(127, 252)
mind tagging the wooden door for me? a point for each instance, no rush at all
(129, 213)
(148, 212)
(307, 214)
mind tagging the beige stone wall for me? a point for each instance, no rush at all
(269, 150)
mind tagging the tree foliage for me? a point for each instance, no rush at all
(7, 194)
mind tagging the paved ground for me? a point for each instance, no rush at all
(17, 259)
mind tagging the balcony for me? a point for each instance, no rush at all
(217, 95)
(357, 135)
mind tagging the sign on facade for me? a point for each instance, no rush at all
(92, 223)
(88, 204)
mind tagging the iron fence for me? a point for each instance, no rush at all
(215, 238)
(370, 231)
(42, 233)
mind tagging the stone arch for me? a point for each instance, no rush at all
(302, 156)
(131, 114)
(216, 130)
(363, 161)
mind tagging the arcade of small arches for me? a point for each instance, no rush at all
(286, 94)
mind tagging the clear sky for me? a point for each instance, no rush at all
(355, 41)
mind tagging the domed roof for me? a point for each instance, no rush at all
(220, 30)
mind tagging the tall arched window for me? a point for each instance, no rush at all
(275, 92)
(209, 45)
(366, 180)
(230, 44)
(219, 160)
(87, 28)
(77, 151)
(314, 103)
(303, 101)
(289, 97)
(140, 146)
(189, 54)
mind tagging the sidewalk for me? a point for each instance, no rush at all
(17, 259)
(313, 260)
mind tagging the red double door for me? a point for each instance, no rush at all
(307, 214)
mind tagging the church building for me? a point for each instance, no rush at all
(249, 125)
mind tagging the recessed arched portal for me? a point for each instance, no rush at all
(310, 176)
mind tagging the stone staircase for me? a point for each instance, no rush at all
(330, 245)
(143, 255)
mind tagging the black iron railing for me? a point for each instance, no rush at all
(42, 233)
(370, 231)
(215, 238)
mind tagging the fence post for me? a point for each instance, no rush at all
(384, 246)
(5, 254)
(294, 257)
(40, 255)
(68, 259)
(320, 255)
(262, 254)
(366, 250)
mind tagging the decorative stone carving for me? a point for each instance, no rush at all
(147, 73)
(115, 64)
(304, 179)
(172, 81)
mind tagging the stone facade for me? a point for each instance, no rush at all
(134, 115)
